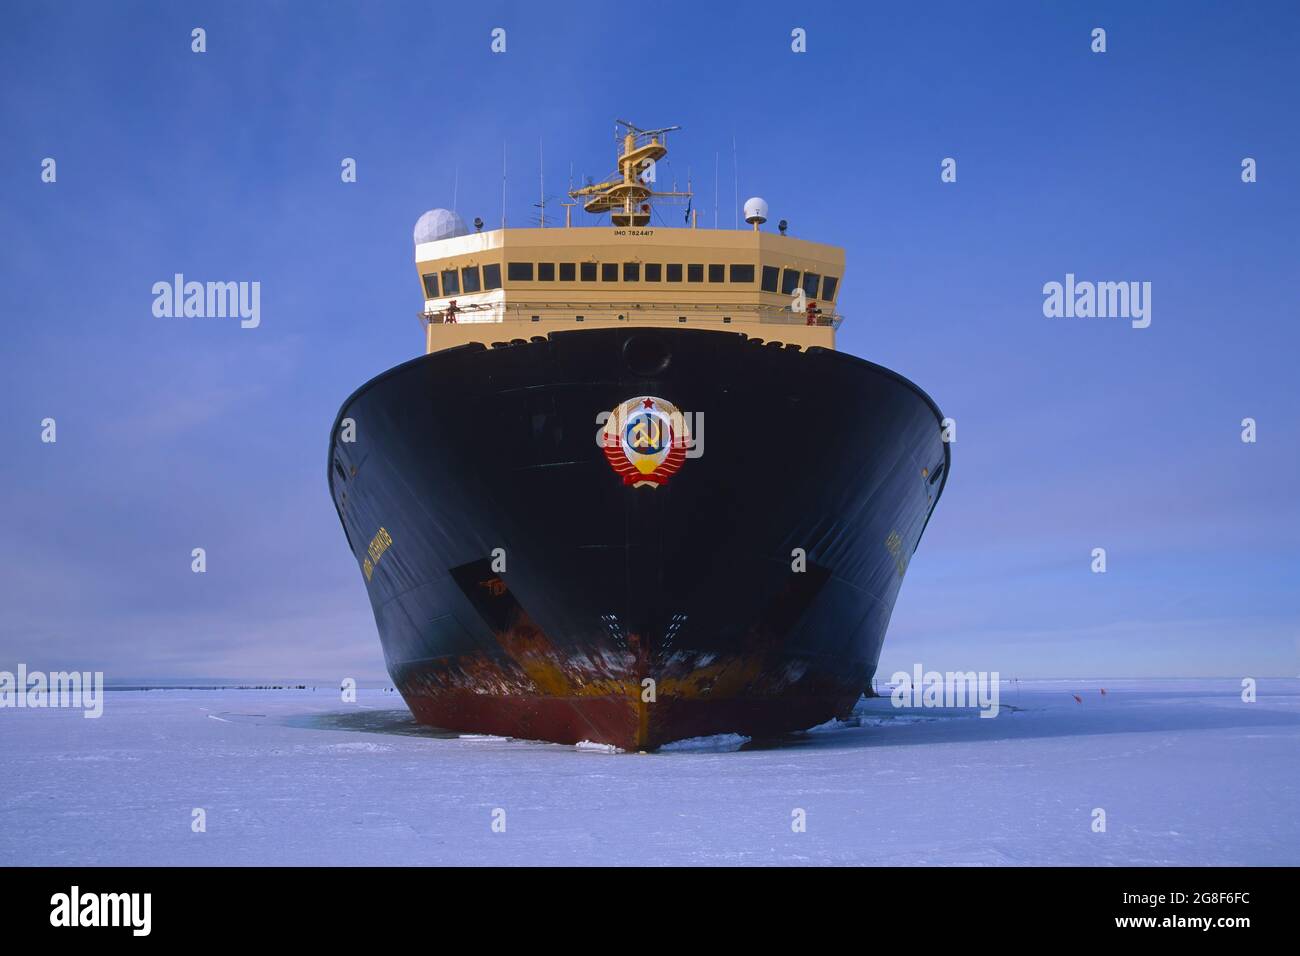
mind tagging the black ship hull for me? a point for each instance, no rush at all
(521, 587)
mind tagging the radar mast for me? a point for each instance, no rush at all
(625, 194)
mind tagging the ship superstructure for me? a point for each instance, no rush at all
(534, 281)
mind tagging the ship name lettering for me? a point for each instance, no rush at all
(378, 545)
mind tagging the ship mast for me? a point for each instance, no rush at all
(624, 194)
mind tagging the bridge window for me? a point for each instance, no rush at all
(771, 275)
(469, 279)
(546, 272)
(492, 275)
(789, 281)
(519, 271)
(654, 272)
(588, 272)
(828, 287)
(430, 285)
(811, 282)
(717, 273)
(568, 271)
(742, 273)
(609, 272)
(695, 272)
(674, 272)
(631, 272)
(450, 282)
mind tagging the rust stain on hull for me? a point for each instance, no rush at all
(535, 689)
(629, 725)
(734, 695)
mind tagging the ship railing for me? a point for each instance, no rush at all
(711, 313)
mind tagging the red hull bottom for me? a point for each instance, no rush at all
(624, 722)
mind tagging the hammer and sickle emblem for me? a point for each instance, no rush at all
(646, 434)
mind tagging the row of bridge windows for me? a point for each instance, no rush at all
(451, 282)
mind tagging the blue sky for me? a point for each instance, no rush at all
(1072, 433)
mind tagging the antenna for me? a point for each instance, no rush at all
(631, 128)
(735, 170)
(455, 189)
(568, 206)
(688, 202)
(503, 184)
(715, 189)
(541, 183)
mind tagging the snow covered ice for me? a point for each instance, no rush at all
(1186, 772)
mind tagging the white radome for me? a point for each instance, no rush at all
(439, 224)
(756, 210)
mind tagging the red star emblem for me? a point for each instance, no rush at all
(648, 403)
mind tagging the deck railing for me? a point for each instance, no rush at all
(688, 313)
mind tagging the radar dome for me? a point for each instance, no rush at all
(756, 210)
(439, 224)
